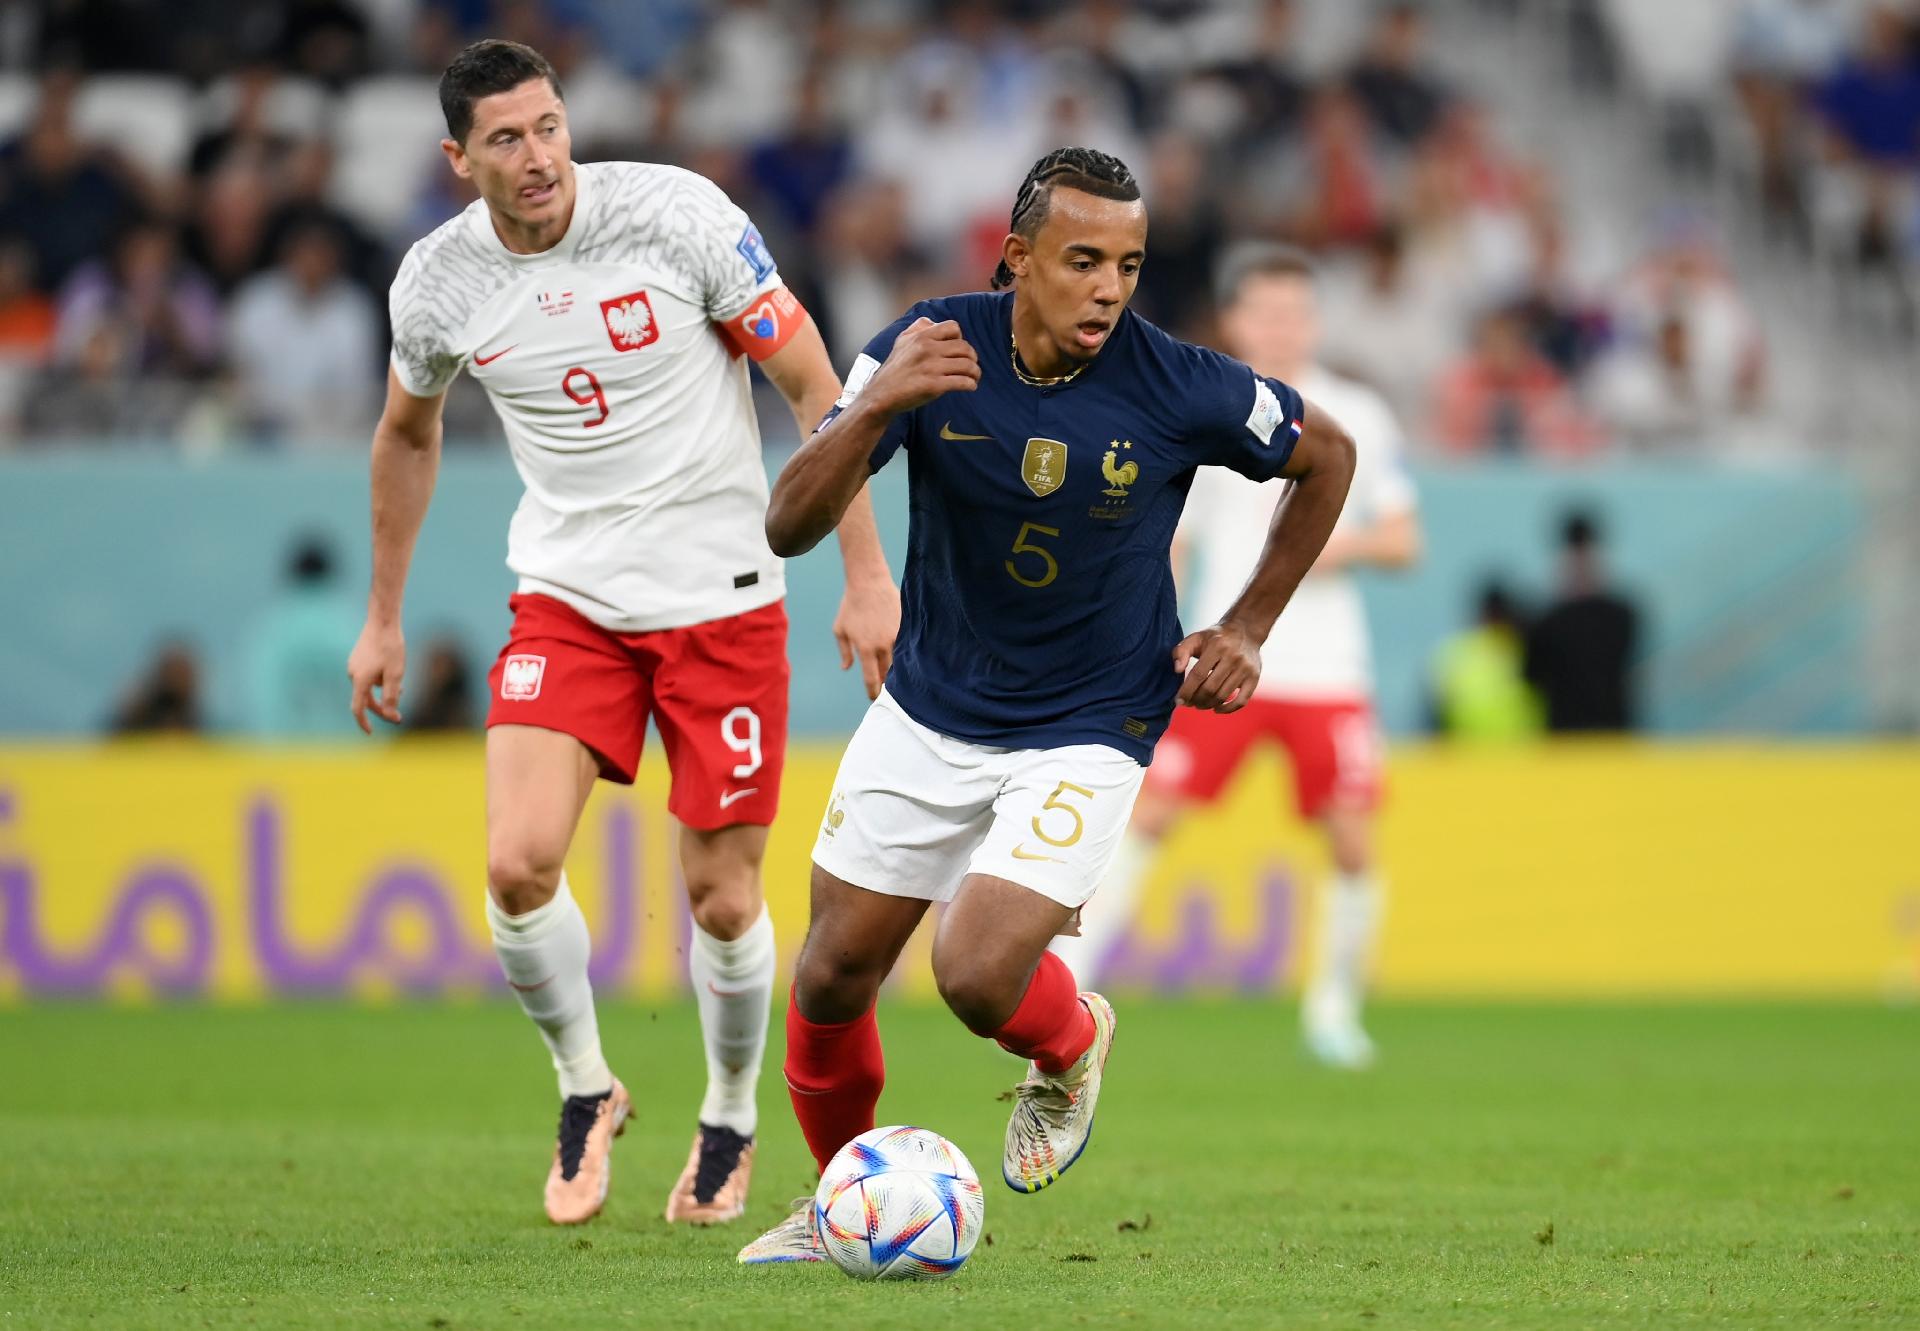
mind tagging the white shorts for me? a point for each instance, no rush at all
(913, 812)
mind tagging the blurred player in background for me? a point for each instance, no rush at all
(1315, 696)
(1051, 438)
(606, 309)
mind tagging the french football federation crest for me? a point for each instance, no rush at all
(520, 678)
(1119, 474)
(1044, 466)
(630, 322)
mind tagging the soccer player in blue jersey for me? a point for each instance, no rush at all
(1051, 437)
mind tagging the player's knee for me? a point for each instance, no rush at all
(976, 991)
(725, 907)
(521, 876)
(833, 985)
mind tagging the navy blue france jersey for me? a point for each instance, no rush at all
(1038, 604)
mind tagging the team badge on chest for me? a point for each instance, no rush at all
(630, 322)
(1044, 466)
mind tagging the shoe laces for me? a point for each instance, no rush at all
(720, 1149)
(578, 1114)
(1051, 1102)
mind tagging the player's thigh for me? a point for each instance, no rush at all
(854, 937)
(1337, 755)
(1200, 752)
(720, 701)
(909, 807)
(538, 782)
(561, 672)
(721, 867)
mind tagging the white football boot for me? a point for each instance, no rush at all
(795, 1239)
(1053, 1115)
(1330, 1027)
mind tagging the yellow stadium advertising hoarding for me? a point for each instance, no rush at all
(177, 868)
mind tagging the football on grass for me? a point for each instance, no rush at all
(899, 1204)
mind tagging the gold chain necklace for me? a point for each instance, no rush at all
(1036, 381)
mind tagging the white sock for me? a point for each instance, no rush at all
(1109, 911)
(544, 955)
(733, 983)
(1350, 911)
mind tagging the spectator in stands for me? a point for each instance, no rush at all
(446, 690)
(1328, 188)
(1871, 108)
(26, 330)
(1505, 397)
(247, 130)
(867, 265)
(1581, 652)
(1266, 74)
(1480, 689)
(325, 40)
(226, 235)
(322, 394)
(64, 197)
(1189, 233)
(1402, 95)
(164, 315)
(164, 698)
(1782, 48)
(295, 651)
(1387, 324)
(810, 158)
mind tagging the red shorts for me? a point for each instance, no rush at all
(717, 691)
(1334, 747)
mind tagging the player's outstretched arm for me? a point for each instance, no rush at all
(869, 617)
(1222, 663)
(819, 482)
(406, 461)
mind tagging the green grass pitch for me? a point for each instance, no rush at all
(1506, 1166)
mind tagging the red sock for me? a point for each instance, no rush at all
(834, 1076)
(1051, 1026)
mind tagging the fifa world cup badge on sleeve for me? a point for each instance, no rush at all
(754, 250)
(1266, 415)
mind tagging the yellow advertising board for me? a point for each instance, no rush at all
(1618, 869)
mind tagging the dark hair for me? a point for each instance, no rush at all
(1084, 169)
(1579, 530)
(483, 69)
(311, 560)
(1261, 259)
(1496, 603)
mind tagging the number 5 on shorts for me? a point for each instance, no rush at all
(1054, 802)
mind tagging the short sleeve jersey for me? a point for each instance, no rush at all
(1038, 604)
(1319, 650)
(630, 419)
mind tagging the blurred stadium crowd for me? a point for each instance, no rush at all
(202, 201)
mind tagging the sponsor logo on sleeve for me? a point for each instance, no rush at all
(630, 322)
(520, 678)
(754, 250)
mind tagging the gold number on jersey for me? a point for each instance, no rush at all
(592, 396)
(1022, 547)
(1054, 802)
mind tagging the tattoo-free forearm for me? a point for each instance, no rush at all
(404, 471)
(819, 482)
(1301, 525)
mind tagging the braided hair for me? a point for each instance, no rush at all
(1084, 169)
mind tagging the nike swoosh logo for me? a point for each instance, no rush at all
(718, 992)
(1022, 853)
(946, 432)
(732, 795)
(530, 988)
(478, 359)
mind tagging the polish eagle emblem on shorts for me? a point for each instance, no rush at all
(1044, 466)
(520, 677)
(630, 322)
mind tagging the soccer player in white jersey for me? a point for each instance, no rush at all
(1316, 682)
(607, 309)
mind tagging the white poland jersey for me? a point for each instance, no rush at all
(629, 419)
(1318, 651)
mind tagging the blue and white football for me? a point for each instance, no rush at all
(899, 1204)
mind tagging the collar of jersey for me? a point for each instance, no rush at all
(1006, 332)
(563, 248)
